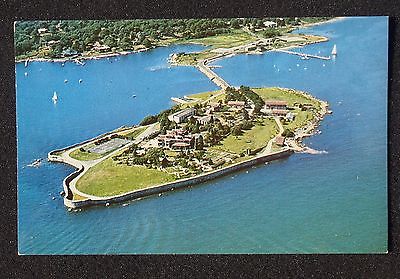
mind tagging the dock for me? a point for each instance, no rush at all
(79, 62)
(303, 54)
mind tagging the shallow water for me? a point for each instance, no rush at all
(333, 202)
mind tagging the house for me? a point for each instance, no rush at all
(306, 106)
(176, 139)
(42, 30)
(278, 112)
(101, 48)
(203, 120)
(237, 104)
(276, 104)
(180, 146)
(290, 116)
(181, 116)
(69, 52)
(270, 24)
(280, 140)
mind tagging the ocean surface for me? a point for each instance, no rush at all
(335, 202)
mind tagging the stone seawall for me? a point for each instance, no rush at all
(170, 186)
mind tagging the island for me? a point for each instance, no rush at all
(205, 136)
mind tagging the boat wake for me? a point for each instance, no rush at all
(157, 68)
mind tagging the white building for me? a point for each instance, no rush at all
(181, 116)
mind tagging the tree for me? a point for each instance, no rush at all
(288, 133)
(237, 130)
(200, 143)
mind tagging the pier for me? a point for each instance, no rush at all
(303, 54)
(79, 62)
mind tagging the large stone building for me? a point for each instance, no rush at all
(181, 116)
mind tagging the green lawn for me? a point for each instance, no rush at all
(134, 133)
(108, 179)
(282, 94)
(302, 117)
(84, 156)
(233, 39)
(205, 95)
(255, 138)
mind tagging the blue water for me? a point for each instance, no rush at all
(334, 202)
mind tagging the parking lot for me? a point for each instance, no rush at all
(109, 146)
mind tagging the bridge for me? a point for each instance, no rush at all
(202, 66)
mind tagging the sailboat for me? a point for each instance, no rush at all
(334, 50)
(55, 98)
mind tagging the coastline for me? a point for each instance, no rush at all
(120, 53)
(82, 167)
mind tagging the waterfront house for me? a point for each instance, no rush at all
(69, 52)
(181, 116)
(100, 48)
(276, 104)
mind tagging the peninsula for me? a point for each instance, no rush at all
(211, 134)
(204, 136)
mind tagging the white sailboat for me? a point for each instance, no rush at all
(55, 98)
(334, 50)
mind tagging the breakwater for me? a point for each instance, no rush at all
(182, 183)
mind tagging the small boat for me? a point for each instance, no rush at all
(26, 74)
(26, 63)
(323, 65)
(133, 96)
(80, 80)
(55, 97)
(65, 80)
(36, 163)
(62, 64)
(334, 50)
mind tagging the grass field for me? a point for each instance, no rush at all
(282, 94)
(133, 133)
(233, 39)
(84, 156)
(252, 139)
(108, 179)
(205, 95)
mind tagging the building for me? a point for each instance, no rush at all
(275, 104)
(279, 112)
(176, 139)
(181, 116)
(42, 30)
(203, 120)
(101, 48)
(237, 104)
(69, 52)
(290, 116)
(280, 140)
(269, 24)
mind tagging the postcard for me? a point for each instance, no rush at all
(191, 136)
